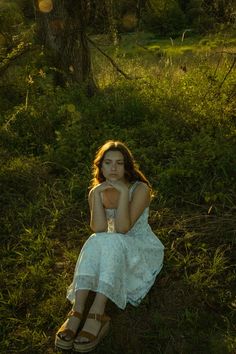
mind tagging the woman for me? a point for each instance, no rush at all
(121, 259)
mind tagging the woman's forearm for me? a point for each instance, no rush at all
(98, 221)
(122, 220)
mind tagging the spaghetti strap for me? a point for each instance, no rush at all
(132, 188)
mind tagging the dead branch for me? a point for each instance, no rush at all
(110, 59)
(227, 74)
(8, 60)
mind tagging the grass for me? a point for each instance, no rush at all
(180, 125)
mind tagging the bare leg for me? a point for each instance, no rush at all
(91, 325)
(80, 299)
(73, 322)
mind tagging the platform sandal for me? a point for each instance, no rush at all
(85, 347)
(61, 340)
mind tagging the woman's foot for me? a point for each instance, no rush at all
(67, 332)
(92, 326)
(95, 329)
(70, 325)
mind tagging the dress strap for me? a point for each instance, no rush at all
(132, 188)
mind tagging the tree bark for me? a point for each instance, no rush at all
(140, 5)
(62, 31)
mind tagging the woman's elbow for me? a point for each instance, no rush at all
(97, 229)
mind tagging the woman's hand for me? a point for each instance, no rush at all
(102, 187)
(119, 186)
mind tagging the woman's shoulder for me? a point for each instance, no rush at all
(140, 194)
(139, 186)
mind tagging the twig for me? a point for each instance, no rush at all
(110, 59)
(7, 61)
(227, 74)
(218, 64)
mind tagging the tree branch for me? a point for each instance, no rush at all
(110, 59)
(15, 54)
(227, 74)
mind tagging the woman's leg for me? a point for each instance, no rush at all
(73, 322)
(91, 325)
(80, 300)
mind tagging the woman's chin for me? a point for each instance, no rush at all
(112, 179)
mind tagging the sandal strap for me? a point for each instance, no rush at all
(66, 332)
(73, 313)
(98, 317)
(87, 335)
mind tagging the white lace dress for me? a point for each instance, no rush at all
(121, 266)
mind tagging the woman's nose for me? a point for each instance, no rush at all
(113, 166)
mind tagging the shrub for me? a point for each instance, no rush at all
(164, 18)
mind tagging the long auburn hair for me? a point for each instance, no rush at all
(132, 172)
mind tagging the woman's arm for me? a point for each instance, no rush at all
(127, 213)
(98, 220)
(141, 200)
(122, 219)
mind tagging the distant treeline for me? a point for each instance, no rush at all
(169, 17)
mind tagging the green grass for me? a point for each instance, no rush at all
(180, 125)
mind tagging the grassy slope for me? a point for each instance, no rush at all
(191, 308)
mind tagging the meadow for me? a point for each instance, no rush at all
(175, 109)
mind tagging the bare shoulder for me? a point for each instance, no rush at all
(142, 191)
(142, 187)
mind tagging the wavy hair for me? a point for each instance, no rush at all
(132, 172)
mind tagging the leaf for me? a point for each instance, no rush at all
(71, 108)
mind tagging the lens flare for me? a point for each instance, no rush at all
(45, 6)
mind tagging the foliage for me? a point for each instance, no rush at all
(164, 17)
(177, 116)
(10, 18)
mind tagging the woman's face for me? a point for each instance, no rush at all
(113, 167)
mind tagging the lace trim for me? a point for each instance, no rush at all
(97, 285)
(120, 298)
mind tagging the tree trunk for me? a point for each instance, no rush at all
(62, 30)
(111, 21)
(139, 7)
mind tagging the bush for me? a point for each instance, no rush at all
(164, 18)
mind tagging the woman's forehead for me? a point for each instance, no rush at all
(113, 155)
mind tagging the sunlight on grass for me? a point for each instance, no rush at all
(176, 111)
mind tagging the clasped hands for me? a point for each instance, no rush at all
(118, 185)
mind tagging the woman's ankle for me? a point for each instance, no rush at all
(78, 308)
(97, 309)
